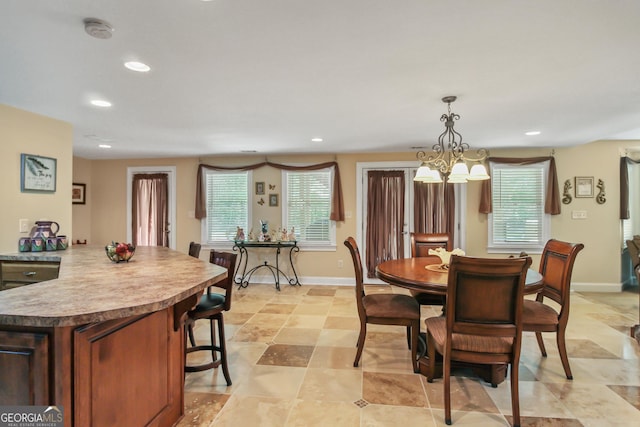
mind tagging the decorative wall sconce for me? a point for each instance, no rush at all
(600, 198)
(566, 199)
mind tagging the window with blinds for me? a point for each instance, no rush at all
(518, 221)
(307, 206)
(228, 205)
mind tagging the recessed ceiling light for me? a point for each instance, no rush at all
(137, 66)
(532, 133)
(100, 103)
(104, 146)
(316, 139)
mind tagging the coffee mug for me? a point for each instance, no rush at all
(63, 243)
(24, 245)
(37, 244)
(51, 244)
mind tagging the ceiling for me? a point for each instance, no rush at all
(231, 76)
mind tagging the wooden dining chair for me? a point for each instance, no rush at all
(211, 306)
(420, 245)
(556, 267)
(383, 309)
(482, 322)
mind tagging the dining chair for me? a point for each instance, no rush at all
(194, 249)
(211, 306)
(420, 245)
(482, 322)
(556, 266)
(383, 309)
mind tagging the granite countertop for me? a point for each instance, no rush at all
(90, 288)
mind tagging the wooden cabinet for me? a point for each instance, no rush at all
(24, 355)
(20, 273)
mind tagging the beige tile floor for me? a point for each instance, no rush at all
(291, 361)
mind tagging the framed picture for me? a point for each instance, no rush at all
(37, 174)
(259, 187)
(78, 194)
(273, 200)
(584, 186)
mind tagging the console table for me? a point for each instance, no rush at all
(244, 278)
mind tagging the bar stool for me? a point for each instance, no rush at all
(212, 305)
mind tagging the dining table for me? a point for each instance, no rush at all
(423, 275)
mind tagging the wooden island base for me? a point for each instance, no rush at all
(103, 341)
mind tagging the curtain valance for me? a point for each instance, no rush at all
(337, 203)
(552, 202)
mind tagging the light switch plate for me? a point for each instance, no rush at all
(578, 214)
(24, 226)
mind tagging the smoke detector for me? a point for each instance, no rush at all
(98, 28)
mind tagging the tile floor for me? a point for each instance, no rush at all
(291, 356)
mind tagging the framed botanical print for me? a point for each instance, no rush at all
(260, 187)
(37, 174)
(78, 194)
(584, 186)
(273, 199)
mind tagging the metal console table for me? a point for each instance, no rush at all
(244, 278)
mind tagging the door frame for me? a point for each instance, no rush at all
(363, 167)
(171, 172)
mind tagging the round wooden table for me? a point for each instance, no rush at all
(412, 273)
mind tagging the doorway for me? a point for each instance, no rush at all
(147, 217)
(409, 169)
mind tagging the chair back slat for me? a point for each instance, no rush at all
(357, 266)
(484, 296)
(422, 242)
(194, 249)
(556, 267)
(228, 261)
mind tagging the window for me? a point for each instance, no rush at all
(518, 221)
(228, 205)
(307, 207)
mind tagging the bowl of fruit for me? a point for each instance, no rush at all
(120, 251)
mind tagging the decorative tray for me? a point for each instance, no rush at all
(440, 268)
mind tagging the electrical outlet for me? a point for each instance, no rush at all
(24, 226)
(340, 263)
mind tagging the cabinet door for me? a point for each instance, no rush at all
(24, 371)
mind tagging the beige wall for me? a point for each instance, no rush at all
(599, 263)
(103, 217)
(24, 132)
(82, 213)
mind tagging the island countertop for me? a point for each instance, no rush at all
(91, 288)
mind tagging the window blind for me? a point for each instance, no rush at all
(518, 218)
(227, 204)
(308, 205)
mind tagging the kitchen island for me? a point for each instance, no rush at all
(104, 340)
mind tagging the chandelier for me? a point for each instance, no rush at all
(449, 160)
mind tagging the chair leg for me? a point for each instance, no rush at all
(431, 353)
(415, 331)
(192, 339)
(223, 350)
(562, 349)
(515, 398)
(446, 374)
(360, 345)
(541, 344)
(409, 337)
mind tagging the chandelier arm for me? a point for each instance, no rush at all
(450, 148)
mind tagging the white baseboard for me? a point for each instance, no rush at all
(350, 281)
(596, 287)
